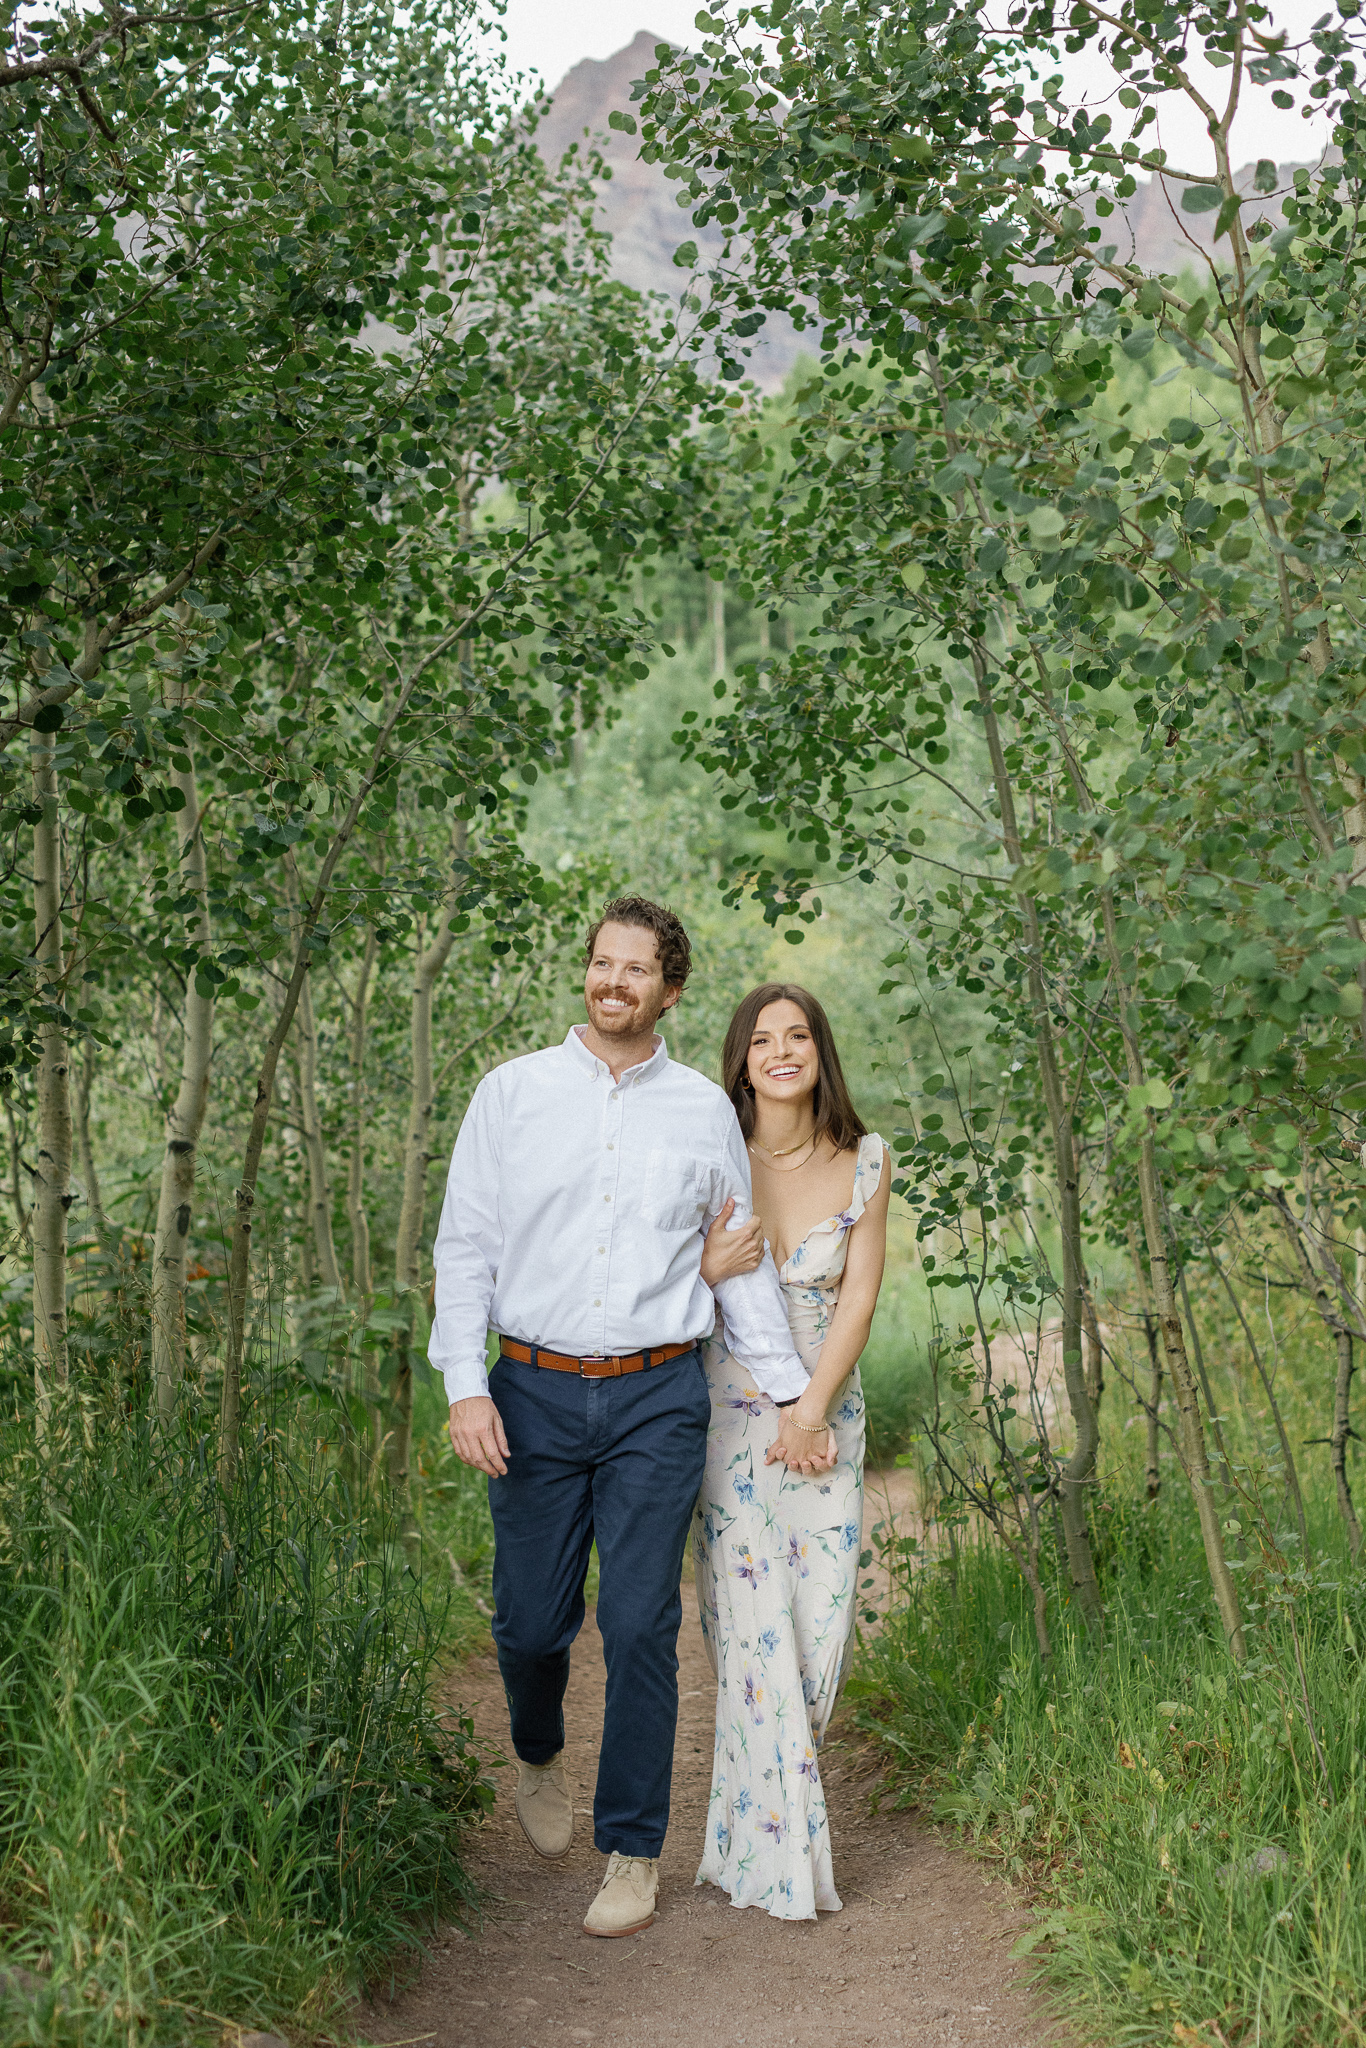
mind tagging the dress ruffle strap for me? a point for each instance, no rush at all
(867, 1174)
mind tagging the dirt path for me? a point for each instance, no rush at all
(920, 1953)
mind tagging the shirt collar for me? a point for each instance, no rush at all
(591, 1064)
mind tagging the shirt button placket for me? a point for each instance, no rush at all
(611, 1162)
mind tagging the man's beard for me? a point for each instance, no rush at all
(632, 1022)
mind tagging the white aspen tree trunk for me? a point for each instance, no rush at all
(83, 1077)
(326, 1264)
(362, 1284)
(85, 1151)
(1094, 1349)
(52, 1178)
(162, 1065)
(184, 1124)
(16, 1166)
(1153, 1462)
(427, 971)
(365, 1366)
(1317, 1259)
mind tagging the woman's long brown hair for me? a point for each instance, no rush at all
(836, 1117)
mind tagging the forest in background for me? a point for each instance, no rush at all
(383, 586)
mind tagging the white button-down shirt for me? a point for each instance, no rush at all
(574, 1216)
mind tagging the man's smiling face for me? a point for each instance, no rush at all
(624, 989)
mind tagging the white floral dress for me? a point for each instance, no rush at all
(776, 1559)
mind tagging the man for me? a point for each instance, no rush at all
(582, 1183)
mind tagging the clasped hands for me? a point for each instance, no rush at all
(802, 1450)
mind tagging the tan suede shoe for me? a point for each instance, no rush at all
(625, 1904)
(545, 1806)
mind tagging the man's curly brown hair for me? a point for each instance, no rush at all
(671, 941)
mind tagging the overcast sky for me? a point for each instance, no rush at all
(550, 36)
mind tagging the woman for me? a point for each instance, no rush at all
(779, 1522)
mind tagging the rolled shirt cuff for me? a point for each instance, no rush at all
(782, 1379)
(464, 1381)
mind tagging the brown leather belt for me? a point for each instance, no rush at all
(591, 1368)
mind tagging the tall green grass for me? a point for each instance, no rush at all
(452, 1507)
(1192, 1834)
(224, 1791)
(895, 1366)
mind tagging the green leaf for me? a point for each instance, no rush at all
(1201, 198)
(1046, 523)
(1151, 1094)
(916, 229)
(1228, 214)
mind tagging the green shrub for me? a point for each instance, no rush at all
(1192, 1832)
(452, 1507)
(224, 1791)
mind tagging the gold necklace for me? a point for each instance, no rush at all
(787, 1149)
(785, 1154)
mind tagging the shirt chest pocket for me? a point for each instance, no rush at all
(676, 1188)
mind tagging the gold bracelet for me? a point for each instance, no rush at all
(809, 1428)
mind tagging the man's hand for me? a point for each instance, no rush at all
(477, 1436)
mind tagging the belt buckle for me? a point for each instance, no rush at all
(593, 1358)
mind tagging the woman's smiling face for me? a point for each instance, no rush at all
(783, 1066)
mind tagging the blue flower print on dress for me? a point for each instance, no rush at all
(747, 1569)
(779, 1589)
(748, 1401)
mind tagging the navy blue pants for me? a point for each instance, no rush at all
(618, 1461)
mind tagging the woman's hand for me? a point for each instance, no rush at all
(802, 1450)
(728, 1252)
